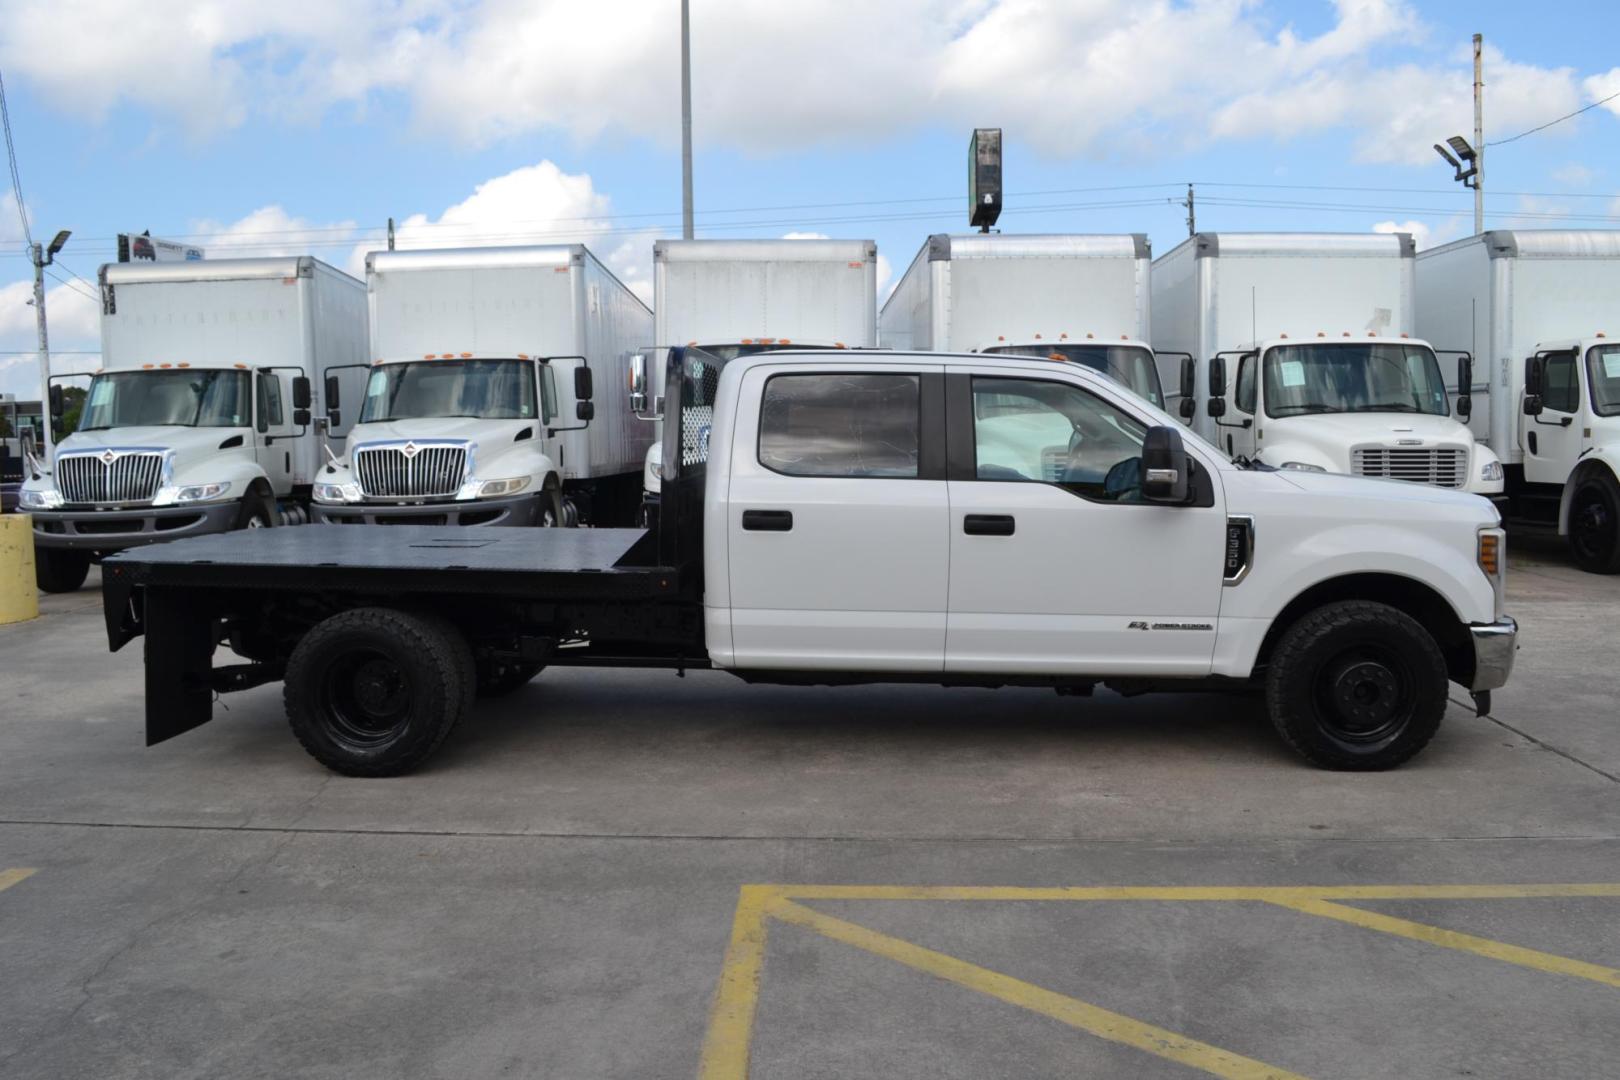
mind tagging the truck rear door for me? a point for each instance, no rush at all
(837, 518)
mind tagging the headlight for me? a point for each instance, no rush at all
(1303, 466)
(1491, 470)
(491, 488)
(39, 499)
(337, 493)
(200, 492)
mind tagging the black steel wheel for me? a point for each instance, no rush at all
(1356, 685)
(375, 691)
(258, 512)
(1594, 524)
(552, 514)
(60, 570)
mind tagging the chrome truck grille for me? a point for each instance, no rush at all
(410, 469)
(109, 476)
(1441, 468)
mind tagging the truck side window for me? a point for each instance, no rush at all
(269, 401)
(837, 425)
(1603, 366)
(1057, 433)
(1245, 384)
(548, 393)
(1562, 392)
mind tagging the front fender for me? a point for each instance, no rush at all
(1599, 459)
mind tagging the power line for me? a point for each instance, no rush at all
(11, 156)
(71, 285)
(1560, 120)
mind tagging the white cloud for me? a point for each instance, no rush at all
(267, 232)
(1574, 174)
(74, 316)
(1598, 87)
(1425, 235)
(1138, 78)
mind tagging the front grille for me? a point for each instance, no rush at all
(390, 472)
(1442, 468)
(128, 477)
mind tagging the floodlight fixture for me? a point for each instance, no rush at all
(1453, 162)
(1460, 146)
(1466, 153)
(60, 242)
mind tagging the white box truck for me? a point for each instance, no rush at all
(1542, 307)
(733, 298)
(478, 410)
(1318, 328)
(1083, 299)
(200, 418)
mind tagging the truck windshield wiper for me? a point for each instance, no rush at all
(1310, 406)
(1387, 406)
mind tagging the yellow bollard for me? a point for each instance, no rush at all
(19, 595)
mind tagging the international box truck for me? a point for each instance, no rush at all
(1082, 299)
(1329, 377)
(208, 412)
(738, 297)
(867, 517)
(1542, 307)
(478, 407)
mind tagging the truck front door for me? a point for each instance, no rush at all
(1056, 566)
(1553, 440)
(836, 520)
(272, 426)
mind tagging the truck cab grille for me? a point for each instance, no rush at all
(1447, 468)
(410, 469)
(109, 476)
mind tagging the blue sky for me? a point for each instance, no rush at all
(256, 129)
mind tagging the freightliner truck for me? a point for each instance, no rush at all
(1544, 309)
(737, 297)
(200, 419)
(836, 518)
(1329, 377)
(1076, 298)
(478, 408)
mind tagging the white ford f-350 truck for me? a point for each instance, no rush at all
(1544, 308)
(478, 409)
(199, 420)
(835, 518)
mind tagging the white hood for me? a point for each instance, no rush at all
(1326, 439)
(189, 447)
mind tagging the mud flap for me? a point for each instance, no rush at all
(179, 663)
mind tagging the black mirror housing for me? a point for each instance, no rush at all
(1534, 374)
(1465, 407)
(1217, 407)
(582, 385)
(334, 418)
(56, 403)
(301, 418)
(1189, 381)
(1217, 376)
(1164, 466)
(300, 394)
(1189, 407)
(333, 394)
(1532, 404)
(585, 410)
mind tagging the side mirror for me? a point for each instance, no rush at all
(638, 383)
(300, 418)
(1189, 408)
(1465, 387)
(334, 393)
(1532, 404)
(56, 404)
(300, 393)
(1217, 386)
(1164, 466)
(334, 418)
(585, 410)
(1189, 381)
(1535, 374)
(582, 385)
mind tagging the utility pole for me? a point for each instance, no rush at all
(43, 257)
(1479, 135)
(1192, 216)
(686, 121)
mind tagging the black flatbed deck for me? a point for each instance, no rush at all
(548, 563)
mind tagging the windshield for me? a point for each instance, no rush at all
(1353, 377)
(485, 389)
(1130, 365)
(191, 398)
(1603, 370)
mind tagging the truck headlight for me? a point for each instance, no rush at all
(492, 488)
(1303, 466)
(200, 492)
(337, 493)
(39, 499)
(1490, 471)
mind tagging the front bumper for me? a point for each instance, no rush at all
(1494, 646)
(114, 530)
(520, 510)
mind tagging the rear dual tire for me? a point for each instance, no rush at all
(1356, 686)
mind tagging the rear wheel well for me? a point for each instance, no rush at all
(1431, 611)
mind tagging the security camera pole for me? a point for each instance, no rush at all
(43, 257)
(686, 121)
(1479, 136)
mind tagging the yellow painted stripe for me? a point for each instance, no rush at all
(731, 1020)
(8, 878)
(1274, 894)
(1451, 939)
(1104, 1023)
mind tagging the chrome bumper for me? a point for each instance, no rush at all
(1494, 646)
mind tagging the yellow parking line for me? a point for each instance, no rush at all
(8, 878)
(1273, 894)
(1104, 1023)
(1451, 939)
(731, 1021)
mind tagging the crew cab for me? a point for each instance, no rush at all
(967, 520)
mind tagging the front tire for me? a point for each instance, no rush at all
(1594, 524)
(59, 570)
(1356, 686)
(258, 512)
(375, 691)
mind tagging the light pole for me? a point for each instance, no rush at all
(43, 257)
(686, 121)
